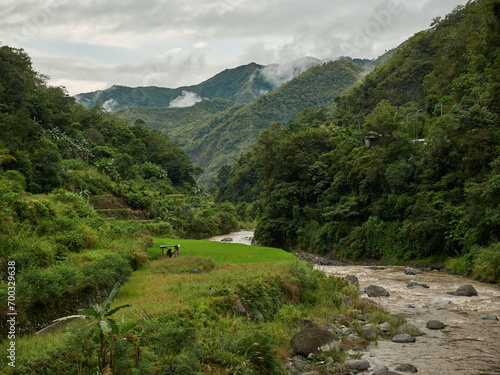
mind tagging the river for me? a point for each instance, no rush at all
(466, 346)
(242, 236)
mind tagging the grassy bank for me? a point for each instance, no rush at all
(185, 320)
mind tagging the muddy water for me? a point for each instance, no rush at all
(466, 345)
(242, 236)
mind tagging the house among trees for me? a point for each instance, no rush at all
(372, 138)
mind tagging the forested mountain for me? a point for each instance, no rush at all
(407, 167)
(241, 84)
(218, 141)
(82, 193)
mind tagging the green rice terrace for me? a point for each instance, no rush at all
(217, 308)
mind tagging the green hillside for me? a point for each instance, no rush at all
(181, 124)
(213, 139)
(406, 168)
(81, 195)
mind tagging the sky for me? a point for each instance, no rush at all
(88, 45)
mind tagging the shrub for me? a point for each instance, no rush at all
(487, 264)
(105, 272)
(72, 240)
(258, 349)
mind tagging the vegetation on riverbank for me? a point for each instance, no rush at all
(405, 168)
(187, 322)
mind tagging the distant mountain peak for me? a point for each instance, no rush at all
(241, 84)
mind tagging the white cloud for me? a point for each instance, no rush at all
(109, 105)
(121, 43)
(186, 99)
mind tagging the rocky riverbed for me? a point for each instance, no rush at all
(242, 236)
(460, 334)
(469, 342)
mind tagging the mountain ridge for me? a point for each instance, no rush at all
(241, 84)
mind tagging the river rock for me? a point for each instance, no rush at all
(385, 327)
(297, 366)
(227, 239)
(307, 323)
(437, 266)
(435, 324)
(411, 329)
(489, 317)
(346, 300)
(412, 271)
(368, 333)
(438, 303)
(465, 291)
(403, 338)
(375, 268)
(385, 372)
(406, 367)
(416, 283)
(376, 291)
(357, 364)
(379, 368)
(314, 340)
(330, 327)
(353, 280)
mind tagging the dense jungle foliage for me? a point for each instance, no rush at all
(406, 167)
(67, 177)
(216, 136)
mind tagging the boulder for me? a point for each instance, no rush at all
(357, 364)
(353, 280)
(385, 372)
(297, 366)
(227, 239)
(368, 333)
(376, 291)
(465, 291)
(435, 324)
(385, 327)
(412, 271)
(416, 283)
(403, 338)
(489, 317)
(437, 266)
(314, 340)
(406, 367)
(411, 329)
(380, 368)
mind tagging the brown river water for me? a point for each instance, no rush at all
(466, 346)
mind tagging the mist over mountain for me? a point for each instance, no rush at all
(241, 84)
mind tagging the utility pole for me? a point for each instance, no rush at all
(416, 113)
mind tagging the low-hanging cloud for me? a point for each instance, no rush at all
(186, 99)
(109, 105)
(122, 45)
(278, 74)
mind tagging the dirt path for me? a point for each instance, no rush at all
(466, 346)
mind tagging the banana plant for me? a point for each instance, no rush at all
(108, 331)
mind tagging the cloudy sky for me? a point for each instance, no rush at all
(87, 45)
